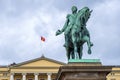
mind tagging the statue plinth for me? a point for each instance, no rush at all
(84, 60)
(83, 71)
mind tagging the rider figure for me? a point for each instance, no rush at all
(70, 21)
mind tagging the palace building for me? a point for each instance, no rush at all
(41, 69)
(115, 74)
(37, 69)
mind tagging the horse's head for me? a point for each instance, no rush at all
(84, 15)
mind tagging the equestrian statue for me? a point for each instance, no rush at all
(76, 33)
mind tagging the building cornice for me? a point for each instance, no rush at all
(33, 60)
(44, 67)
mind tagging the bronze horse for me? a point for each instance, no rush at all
(79, 35)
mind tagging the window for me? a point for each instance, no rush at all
(30, 79)
(18, 79)
(112, 74)
(112, 79)
(4, 74)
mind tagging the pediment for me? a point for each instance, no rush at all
(40, 62)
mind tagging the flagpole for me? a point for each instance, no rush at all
(42, 46)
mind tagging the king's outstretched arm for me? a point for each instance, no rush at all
(65, 26)
(63, 29)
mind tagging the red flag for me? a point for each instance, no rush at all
(42, 39)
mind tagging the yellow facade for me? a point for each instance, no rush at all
(37, 69)
(41, 69)
(115, 74)
(4, 73)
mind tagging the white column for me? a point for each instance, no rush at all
(12, 76)
(23, 76)
(36, 76)
(49, 76)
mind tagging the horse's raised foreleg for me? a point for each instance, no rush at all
(89, 45)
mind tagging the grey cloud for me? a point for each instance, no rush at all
(66, 5)
(24, 21)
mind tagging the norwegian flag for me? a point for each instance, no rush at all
(42, 39)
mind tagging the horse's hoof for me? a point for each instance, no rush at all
(89, 51)
(91, 44)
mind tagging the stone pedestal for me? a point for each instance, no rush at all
(83, 71)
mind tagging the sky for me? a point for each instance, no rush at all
(23, 22)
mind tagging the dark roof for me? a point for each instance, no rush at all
(40, 58)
